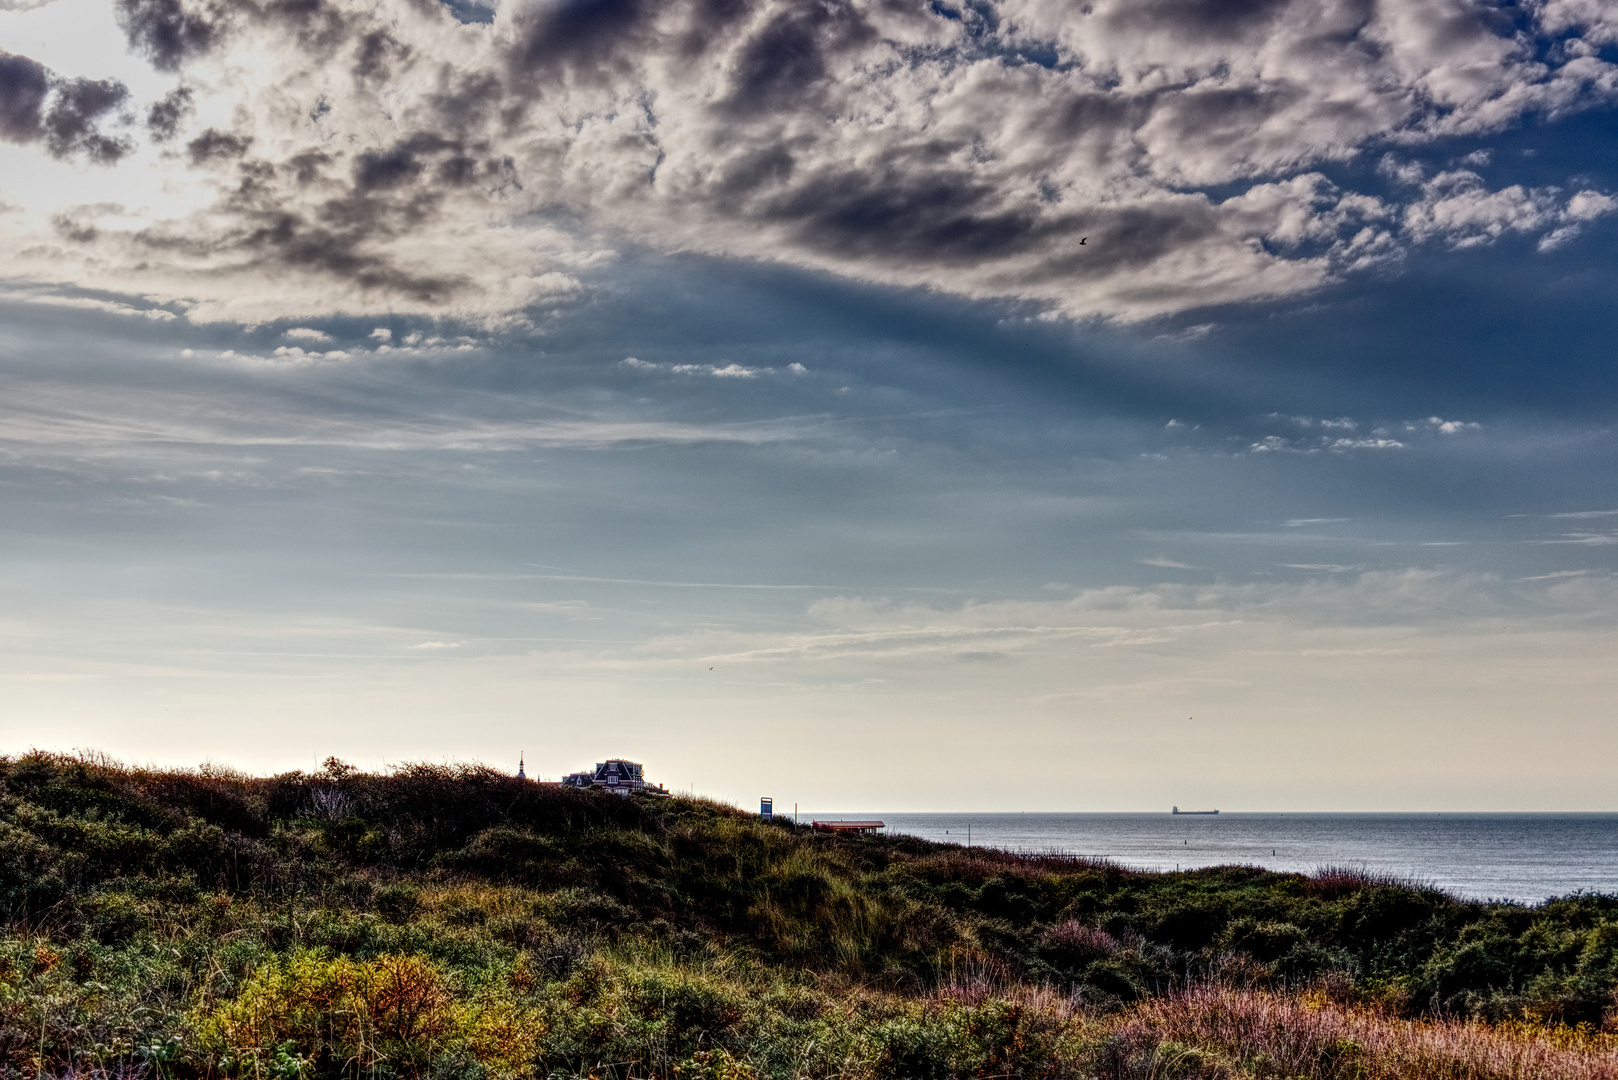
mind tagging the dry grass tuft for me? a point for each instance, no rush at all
(1333, 882)
(1312, 1037)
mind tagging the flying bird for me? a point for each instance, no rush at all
(1082, 239)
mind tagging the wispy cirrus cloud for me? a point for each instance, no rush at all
(1384, 613)
(43, 421)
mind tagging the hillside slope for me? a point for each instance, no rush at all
(454, 921)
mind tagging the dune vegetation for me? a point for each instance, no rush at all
(457, 922)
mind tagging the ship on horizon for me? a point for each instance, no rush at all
(1177, 810)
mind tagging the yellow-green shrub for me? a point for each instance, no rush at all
(341, 1013)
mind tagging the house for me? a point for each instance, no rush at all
(615, 775)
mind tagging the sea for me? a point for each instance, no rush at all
(1520, 857)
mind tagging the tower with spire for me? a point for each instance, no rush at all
(520, 774)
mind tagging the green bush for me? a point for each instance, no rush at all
(576, 933)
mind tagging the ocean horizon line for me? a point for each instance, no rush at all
(1194, 813)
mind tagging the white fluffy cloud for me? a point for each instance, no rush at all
(1339, 435)
(1458, 207)
(349, 156)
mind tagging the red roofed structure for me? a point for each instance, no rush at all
(847, 826)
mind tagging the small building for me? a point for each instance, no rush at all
(847, 826)
(615, 775)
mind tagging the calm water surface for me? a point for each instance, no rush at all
(1525, 857)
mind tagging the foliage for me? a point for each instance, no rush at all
(455, 922)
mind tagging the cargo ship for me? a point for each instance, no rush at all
(1177, 810)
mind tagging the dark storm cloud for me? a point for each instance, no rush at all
(77, 107)
(584, 38)
(378, 51)
(1192, 20)
(167, 32)
(38, 106)
(400, 163)
(24, 85)
(340, 241)
(781, 63)
(171, 33)
(164, 116)
(709, 17)
(944, 217)
(213, 145)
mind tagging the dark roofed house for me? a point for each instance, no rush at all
(615, 775)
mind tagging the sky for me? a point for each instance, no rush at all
(873, 404)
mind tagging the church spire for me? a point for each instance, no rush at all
(520, 774)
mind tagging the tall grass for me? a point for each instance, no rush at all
(451, 921)
(1310, 1036)
(1336, 880)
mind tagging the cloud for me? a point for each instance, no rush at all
(1365, 444)
(1586, 539)
(1450, 427)
(168, 32)
(1340, 423)
(62, 115)
(44, 421)
(1380, 438)
(163, 116)
(1164, 619)
(1276, 444)
(1459, 209)
(724, 370)
(295, 355)
(48, 298)
(1593, 20)
(345, 156)
(1190, 333)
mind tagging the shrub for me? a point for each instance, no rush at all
(335, 1010)
(453, 922)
